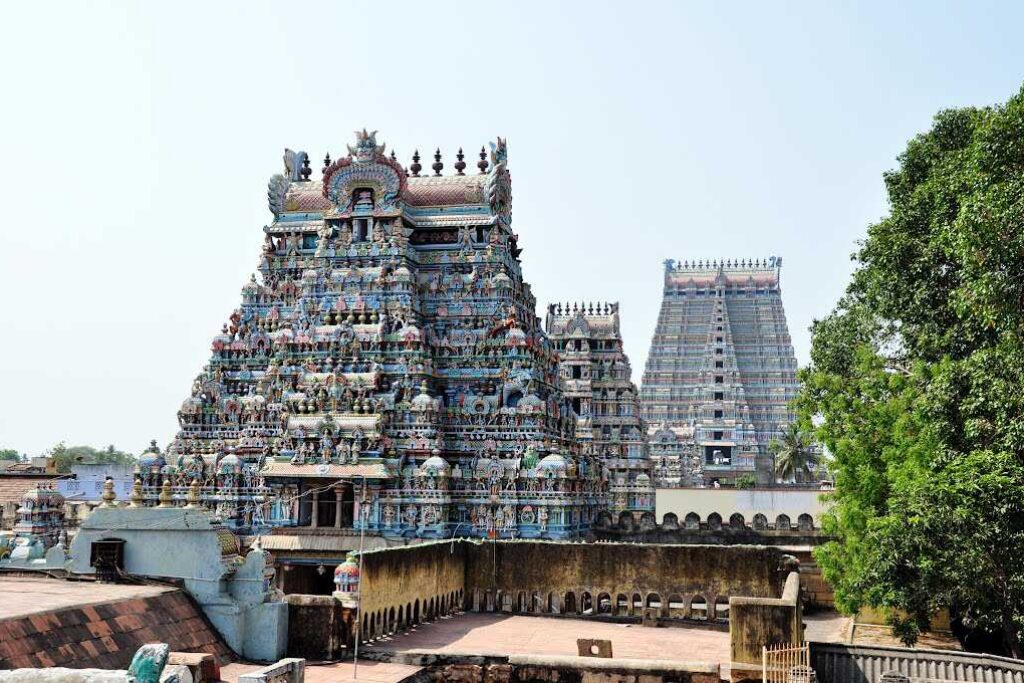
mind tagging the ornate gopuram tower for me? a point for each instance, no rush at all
(387, 371)
(720, 374)
(596, 377)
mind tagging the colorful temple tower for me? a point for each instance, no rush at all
(596, 377)
(387, 371)
(720, 374)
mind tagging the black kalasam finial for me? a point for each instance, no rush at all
(437, 165)
(327, 162)
(416, 167)
(483, 163)
(306, 170)
(393, 157)
(460, 165)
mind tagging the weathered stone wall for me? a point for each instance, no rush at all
(616, 578)
(756, 622)
(319, 627)
(555, 669)
(402, 586)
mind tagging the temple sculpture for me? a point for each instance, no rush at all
(721, 373)
(386, 371)
(596, 376)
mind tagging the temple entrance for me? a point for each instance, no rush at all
(326, 505)
(308, 579)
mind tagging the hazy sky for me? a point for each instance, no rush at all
(137, 140)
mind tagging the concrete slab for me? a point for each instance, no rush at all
(30, 595)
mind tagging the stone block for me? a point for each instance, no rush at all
(588, 647)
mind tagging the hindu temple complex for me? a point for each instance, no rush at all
(596, 375)
(387, 371)
(720, 374)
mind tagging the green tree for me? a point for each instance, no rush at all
(916, 376)
(794, 454)
(64, 457)
(9, 454)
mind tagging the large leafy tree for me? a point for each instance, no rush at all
(9, 454)
(917, 378)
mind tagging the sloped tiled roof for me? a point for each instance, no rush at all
(106, 636)
(13, 487)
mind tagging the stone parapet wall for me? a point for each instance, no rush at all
(756, 622)
(403, 586)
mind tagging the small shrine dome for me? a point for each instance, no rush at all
(152, 458)
(436, 463)
(422, 402)
(553, 462)
(346, 574)
(515, 337)
(229, 463)
(530, 403)
(40, 497)
(643, 480)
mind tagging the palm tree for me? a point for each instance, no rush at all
(794, 454)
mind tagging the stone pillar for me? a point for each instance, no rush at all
(316, 509)
(338, 492)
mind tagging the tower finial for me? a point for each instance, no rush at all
(327, 162)
(460, 165)
(416, 167)
(437, 165)
(483, 163)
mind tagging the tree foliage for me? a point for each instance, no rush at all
(917, 378)
(795, 456)
(64, 457)
(9, 454)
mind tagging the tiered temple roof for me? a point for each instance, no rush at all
(596, 375)
(721, 371)
(387, 370)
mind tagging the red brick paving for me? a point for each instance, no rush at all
(497, 634)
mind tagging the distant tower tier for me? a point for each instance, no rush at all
(720, 374)
(596, 375)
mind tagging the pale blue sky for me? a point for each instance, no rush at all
(137, 140)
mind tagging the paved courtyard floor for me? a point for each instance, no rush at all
(503, 634)
(29, 595)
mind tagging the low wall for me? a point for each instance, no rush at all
(403, 586)
(838, 663)
(747, 503)
(616, 578)
(319, 627)
(406, 585)
(756, 622)
(555, 669)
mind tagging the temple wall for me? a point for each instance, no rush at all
(402, 586)
(770, 502)
(519, 576)
(412, 583)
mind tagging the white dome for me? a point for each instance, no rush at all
(436, 463)
(553, 462)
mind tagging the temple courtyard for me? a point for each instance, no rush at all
(473, 633)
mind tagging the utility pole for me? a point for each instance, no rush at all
(359, 586)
